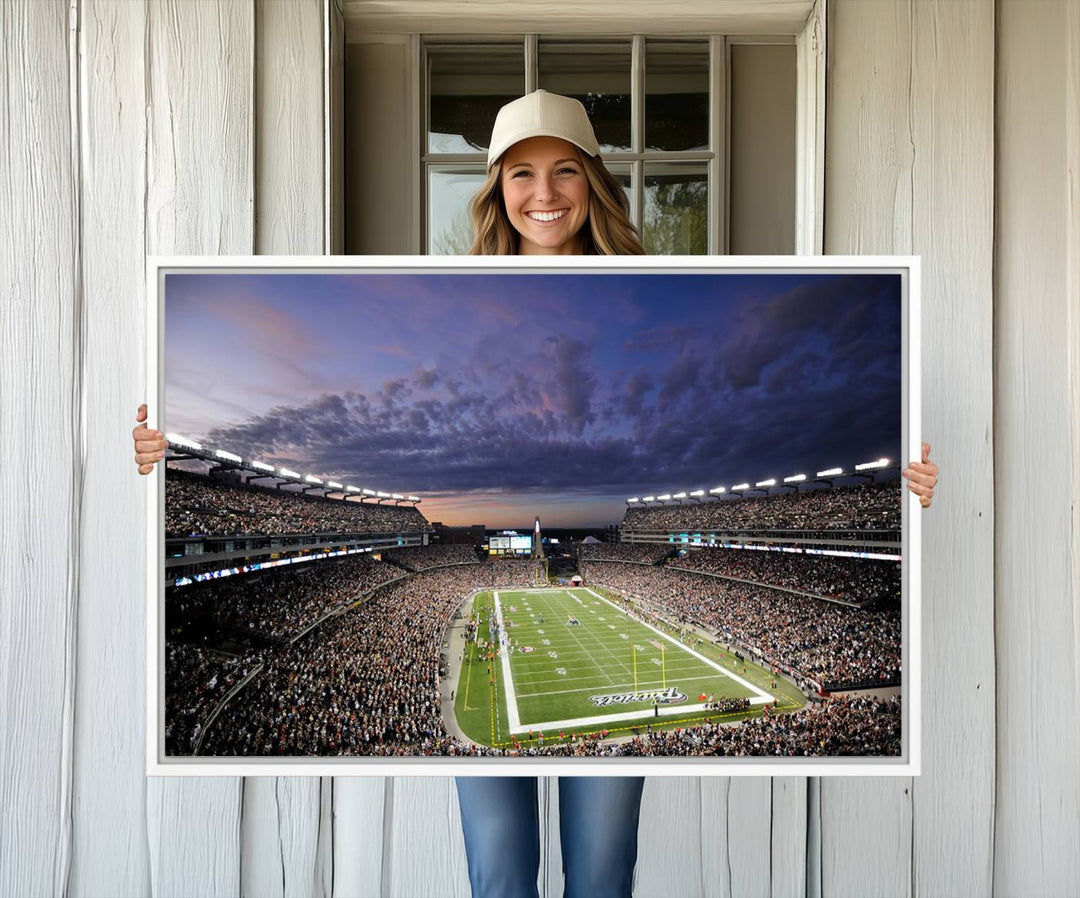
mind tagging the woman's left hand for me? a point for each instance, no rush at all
(922, 477)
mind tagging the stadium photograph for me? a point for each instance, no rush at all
(447, 513)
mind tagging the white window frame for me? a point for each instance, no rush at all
(809, 40)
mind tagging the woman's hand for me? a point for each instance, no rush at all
(922, 477)
(150, 445)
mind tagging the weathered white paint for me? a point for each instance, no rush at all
(909, 169)
(160, 155)
(424, 851)
(868, 158)
(1036, 838)
(789, 837)
(109, 810)
(40, 432)
(360, 809)
(736, 836)
(289, 127)
(199, 195)
(953, 230)
(670, 828)
(281, 816)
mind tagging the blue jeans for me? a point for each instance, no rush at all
(598, 821)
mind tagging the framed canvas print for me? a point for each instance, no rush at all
(506, 516)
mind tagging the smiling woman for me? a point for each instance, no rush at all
(546, 195)
(547, 190)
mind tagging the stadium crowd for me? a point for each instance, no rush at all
(506, 571)
(367, 683)
(821, 641)
(420, 558)
(277, 604)
(641, 553)
(196, 679)
(198, 505)
(849, 579)
(869, 506)
(839, 727)
(364, 679)
(842, 726)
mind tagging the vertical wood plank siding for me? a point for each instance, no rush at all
(40, 431)
(424, 849)
(281, 815)
(952, 121)
(110, 854)
(200, 127)
(868, 194)
(1036, 839)
(199, 201)
(909, 169)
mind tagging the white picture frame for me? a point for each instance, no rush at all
(907, 764)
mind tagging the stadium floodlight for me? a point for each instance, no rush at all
(740, 486)
(717, 489)
(334, 484)
(353, 489)
(228, 456)
(635, 499)
(649, 499)
(665, 497)
(382, 495)
(795, 478)
(262, 466)
(368, 492)
(866, 466)
(285, 472)
(697, 493)
(178, 440)
(311, 478)
(397, 496)
(770, 482)
(414, 498)
(832, 472)
(679, 496)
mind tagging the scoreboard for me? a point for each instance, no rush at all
(509, 544)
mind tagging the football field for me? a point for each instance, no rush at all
(570, 659)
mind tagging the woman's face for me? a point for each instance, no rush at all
(546, 195)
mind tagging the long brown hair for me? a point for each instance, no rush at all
(607, 232)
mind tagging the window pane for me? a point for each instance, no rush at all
(467, 84)
(597, 74)
(623, 174)
(676, 95)
(449, 191)
(676, 209)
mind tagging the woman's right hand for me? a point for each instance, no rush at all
(150, 445)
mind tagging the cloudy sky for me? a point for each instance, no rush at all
(498, 397)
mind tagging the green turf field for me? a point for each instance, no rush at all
(600, 674)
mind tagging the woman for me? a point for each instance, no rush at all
(548, 193)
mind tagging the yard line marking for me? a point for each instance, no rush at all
(727, 673)
(512, 717)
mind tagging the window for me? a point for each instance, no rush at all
(660, 108)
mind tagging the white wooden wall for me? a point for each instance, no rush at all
(199, 127)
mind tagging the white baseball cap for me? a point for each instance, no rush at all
(541, 114)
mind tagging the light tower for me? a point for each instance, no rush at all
(537, 549)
